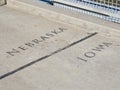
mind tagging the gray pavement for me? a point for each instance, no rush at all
(37, 53)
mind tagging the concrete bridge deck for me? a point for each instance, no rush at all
(42, 48)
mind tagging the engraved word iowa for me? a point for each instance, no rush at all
(93, 52)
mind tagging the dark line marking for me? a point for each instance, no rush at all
(46, 56)
(81, 8)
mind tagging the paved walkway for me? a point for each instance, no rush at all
(39, 54)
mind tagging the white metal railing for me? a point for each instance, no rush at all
(105, 9)
(115, 3)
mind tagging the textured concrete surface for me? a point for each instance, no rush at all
(37, 53)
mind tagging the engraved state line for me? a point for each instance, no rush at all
(46, 56)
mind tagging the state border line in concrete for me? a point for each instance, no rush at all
(45, 57)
